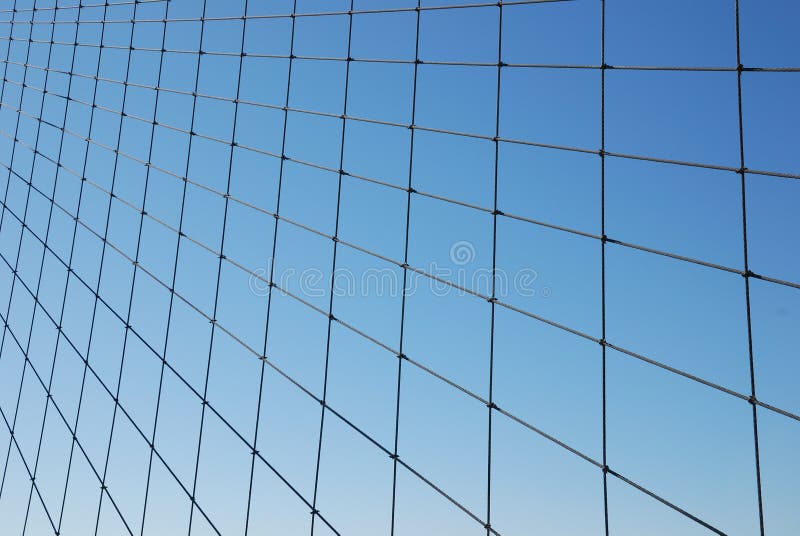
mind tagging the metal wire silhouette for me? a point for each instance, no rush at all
(51, 15)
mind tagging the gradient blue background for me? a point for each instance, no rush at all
(688, 443)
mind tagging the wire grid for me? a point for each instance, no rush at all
(23, 18)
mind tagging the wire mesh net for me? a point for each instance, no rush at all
(399, 267)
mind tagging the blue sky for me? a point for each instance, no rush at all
(536, 350)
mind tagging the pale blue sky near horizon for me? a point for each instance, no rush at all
(687, 442)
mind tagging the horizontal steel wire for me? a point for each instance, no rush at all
(311, 14)
(74, 6)
(567, 148)
(397, 61)
(372, 180)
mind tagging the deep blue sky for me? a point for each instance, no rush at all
(684, 441)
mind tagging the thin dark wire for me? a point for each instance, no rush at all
(222, 239)
(603, 241)
(757, 457)
(486, 137)
(340, 13)
(271, 261)
(58, 336)
(397, 61)
(5, 322)
(342, 418)
(213, 322)
(80, 5)
(404, 266)
(103, 486)
(174, 274)
(314, 510)
(104, 241)
(8, 48)
(2, 96)
(16, 262)
(493, 292)
(504, 65)
(70, 273)
(172, 285)
(36, 296)
(16, 132)
(666, 502)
